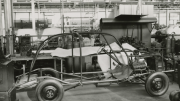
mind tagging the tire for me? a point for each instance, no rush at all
(157, 84)
(174, 95)
(49, 90)
(50, 72)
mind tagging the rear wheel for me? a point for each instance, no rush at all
(157, 84)
(49, 90)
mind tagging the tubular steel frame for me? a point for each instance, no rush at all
(79, 82)
(78, 34)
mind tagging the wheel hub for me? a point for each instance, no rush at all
(50, 92)
(157, 83)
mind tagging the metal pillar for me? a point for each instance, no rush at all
(140, 7)
(62, 16)
(9, 32)
(1, 28)
(167, 17)
(33, 15)
(179, 17)
(159, 17)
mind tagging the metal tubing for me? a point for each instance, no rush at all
(168, 71)
(72, 53)
(80, 41)
(72, 87)
(90, 72)
(103, 81)
(27, 72)
(90, 82)
(40, 48)
(178, 75)
(113, 57)
(65, 34)
(117, 60)
(93, 82)
(120, 47)
(48, 77)
(61, 69)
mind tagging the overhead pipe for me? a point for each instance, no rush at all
(103, 1)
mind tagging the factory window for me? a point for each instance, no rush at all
(162, 18)
(174, 18)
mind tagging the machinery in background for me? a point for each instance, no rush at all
(175, 95)
(25, 45)
(7, 87)
(133, 41)
(167, 46)
(25, 23)
(164, 51)
(1, 43)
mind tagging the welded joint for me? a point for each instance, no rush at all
(80, 83)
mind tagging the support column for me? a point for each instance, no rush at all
(159, 17)
(97, 17)
(1, 28)
(167, 17)
(140, 7)
(33, 15)
(9, 32)
(1, 25)
(62, 16)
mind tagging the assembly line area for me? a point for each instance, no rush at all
(89, 50)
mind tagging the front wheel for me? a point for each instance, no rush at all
(49, 90)
(157, 84)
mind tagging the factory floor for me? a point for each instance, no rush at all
(114, 92)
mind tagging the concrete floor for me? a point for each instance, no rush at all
(122, 92)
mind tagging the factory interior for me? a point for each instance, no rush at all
(89, 50)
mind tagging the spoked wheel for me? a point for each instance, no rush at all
(175, 95)
(49, 90)
(157, 84)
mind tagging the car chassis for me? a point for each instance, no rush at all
(51, 88)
